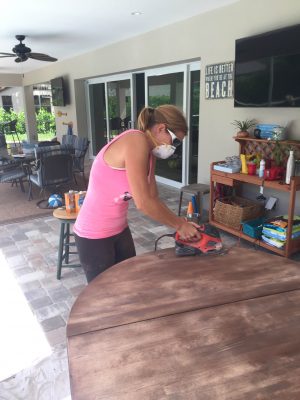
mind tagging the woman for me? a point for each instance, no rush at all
(122, 170)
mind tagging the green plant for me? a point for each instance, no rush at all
(277, 154)
(243, 126)
(45, 122)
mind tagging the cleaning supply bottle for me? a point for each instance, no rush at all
(190, 211)
(244, 164)
(290, 167)
(262, 165)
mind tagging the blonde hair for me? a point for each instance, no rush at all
(165, 114)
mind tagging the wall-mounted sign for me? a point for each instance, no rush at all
(219, 80)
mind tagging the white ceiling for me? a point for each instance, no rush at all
(65, 28)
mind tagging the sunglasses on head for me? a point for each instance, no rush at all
(175, 141)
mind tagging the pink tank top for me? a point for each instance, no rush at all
(104, 210)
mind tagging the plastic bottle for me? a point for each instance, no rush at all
(190, 211)
(244, 164)
(290, 167)
(262, 165)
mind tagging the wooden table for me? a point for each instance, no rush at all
(211, 327)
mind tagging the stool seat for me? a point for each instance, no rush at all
(197, 189)
(64, 239)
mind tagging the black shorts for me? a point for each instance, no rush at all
(96, 255)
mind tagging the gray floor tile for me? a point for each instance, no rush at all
(30, 249)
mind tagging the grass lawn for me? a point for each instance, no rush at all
(23, 136)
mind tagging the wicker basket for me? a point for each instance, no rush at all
(238, 211)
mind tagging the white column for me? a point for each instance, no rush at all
(29, 110)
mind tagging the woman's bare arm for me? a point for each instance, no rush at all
(136, 155)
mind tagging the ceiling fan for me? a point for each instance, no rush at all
(22, 53)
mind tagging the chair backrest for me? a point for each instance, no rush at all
(3, 147)
(50, 150)
(69, 140)
(13, 125)
(3, 140)
(81, 144)
(55, 168)
(45, 143)
(80, 148)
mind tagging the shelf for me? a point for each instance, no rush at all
(295, 243)
(234, 179)
(254, 180)
(253, 139)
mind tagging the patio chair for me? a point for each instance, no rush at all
(3, 148)
(12, 172)
(81, 146)
(53, 168)
(78, 146)
(12, 130)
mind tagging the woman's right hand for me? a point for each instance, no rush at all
(188, 231)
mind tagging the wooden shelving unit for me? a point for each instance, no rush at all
(225, 178)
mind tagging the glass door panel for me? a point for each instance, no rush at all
(167, 89)
(98, 126)
(119, 106)
(110, 103)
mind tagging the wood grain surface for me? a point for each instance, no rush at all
(247, 350)
(159, 284)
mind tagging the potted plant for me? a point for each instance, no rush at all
(243, 126)
(277, 168)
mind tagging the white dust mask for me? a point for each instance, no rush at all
(163, 151)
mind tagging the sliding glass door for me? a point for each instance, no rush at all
(115, 101)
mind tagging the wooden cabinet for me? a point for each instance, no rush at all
(236, 179)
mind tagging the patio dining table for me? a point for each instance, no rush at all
(218, 327)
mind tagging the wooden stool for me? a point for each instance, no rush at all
(64, 239)
(198, 189)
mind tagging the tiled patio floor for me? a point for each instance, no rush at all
(30, 250)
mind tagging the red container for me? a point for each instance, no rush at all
(274, 173)
(251, 168)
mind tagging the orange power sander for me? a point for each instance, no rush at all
(209, 243)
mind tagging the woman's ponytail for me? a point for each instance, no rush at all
(146, 119)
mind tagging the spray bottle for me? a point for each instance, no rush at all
(189, 214)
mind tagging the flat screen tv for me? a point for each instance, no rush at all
(267, 69)
(58, 92)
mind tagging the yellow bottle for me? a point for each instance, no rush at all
(244, 164)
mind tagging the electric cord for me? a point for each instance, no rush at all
(162, 236)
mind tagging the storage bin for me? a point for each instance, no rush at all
(254, 227)
(232, 211)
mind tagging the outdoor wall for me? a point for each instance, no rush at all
(209, 37)
(17, 97)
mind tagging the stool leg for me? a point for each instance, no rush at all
(180, 201)
(60, 249)
(67, 243)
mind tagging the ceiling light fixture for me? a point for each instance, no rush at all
(136, 13)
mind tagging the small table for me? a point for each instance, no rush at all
(159, 326)
(64, 239)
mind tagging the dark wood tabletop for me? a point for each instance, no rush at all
(208, 327)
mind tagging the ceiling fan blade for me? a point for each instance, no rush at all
(41, 57)
(2, 55)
